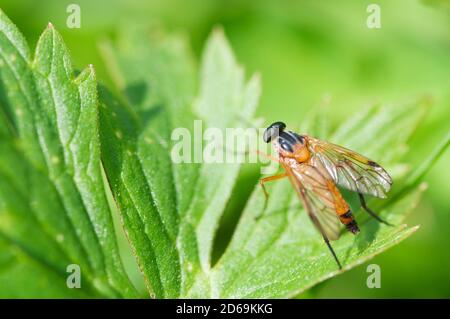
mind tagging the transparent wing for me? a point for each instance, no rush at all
(318, 199)
(350, 169)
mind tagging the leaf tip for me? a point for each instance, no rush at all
(257, 76)
(50, 26)
(92, 70)
(218, 31)
(219, 38)
(410, 230)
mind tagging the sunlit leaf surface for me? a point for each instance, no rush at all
(53, 208)
(61, 133)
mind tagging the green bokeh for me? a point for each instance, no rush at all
(309, 52)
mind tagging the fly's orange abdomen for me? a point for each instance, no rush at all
(342, 209)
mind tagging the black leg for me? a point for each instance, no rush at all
(371, 213)
(332, 252)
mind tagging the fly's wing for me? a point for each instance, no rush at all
(350, 169)
(312, 188)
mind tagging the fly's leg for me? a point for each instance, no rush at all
(327, 241)
(332, 251)
(325, 238)
(371, 212)
(264, 180)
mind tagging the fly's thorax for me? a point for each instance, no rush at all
(291, 145)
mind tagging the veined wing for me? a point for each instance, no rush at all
(320, 202)
(350, 169)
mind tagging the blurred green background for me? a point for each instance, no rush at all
(309, 52)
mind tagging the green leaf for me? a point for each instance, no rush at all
(61, 145)
(53, 207)
(281, 254)
(170, 211)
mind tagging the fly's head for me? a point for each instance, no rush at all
(286, 143)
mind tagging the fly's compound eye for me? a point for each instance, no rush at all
(286, 146)
(273, 131)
